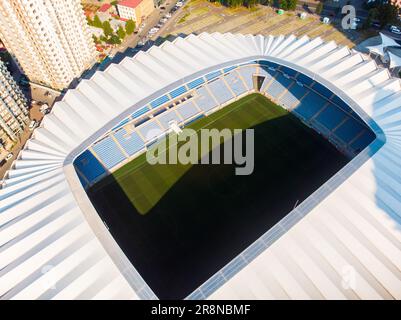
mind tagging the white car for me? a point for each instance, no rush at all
(395, 29)
(153, 30)
(168, 15)
(9, 156)
(179, 4)
(32, 125)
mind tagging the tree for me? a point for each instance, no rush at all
(95, 39)
(89, 20)
(319, 8)
(130, 26)
(386, 13)
(97, 22)
(114, 39)
(121, 33)
(368, 22)
(107, 29)
(283, 4)
(251, 3)
(291, 4)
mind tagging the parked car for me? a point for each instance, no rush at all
(32, 125)
(179, 4)
(167, 15)
(9, 156)
(395, 29)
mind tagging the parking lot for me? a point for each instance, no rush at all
(37, 115)
(198, 16)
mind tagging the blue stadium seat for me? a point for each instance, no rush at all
(278, 85)
(331, 117)
(205, 100)
(348, 130)
(362, 141)
(304, 79)
(322, 90)
(341, 104)
(195, 83)
(292, 97)
(235, 83)
(310, 105)
(89, 166)
(159, 101)
(177, 92)
(125, 121)
(150, 130)
(108, 152)
(228, 69)
(139, 112)
(268, 64)
(290, 72)
(247, 73)
(167, 117)
(130, 142)
(187, 110)
(220, 91)
(213, 75)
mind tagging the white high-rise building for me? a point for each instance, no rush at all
(13, 108)
(49, 39)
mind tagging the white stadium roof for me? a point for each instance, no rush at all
(53, 245)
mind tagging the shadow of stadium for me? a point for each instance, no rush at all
(210, 215)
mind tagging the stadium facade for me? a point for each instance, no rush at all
(342, 242)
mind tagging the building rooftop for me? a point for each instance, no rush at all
(129, 3)
(105, 7)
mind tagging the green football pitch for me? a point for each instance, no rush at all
(179, 224)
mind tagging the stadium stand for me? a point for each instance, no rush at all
(89, 166)
(204, 100)
(293, 97)
(309, 106)
(310, 101)
(279, 84)
(187, 110)
(235, 83)
(167, 117)
(348, 130)
(108, 152)
(220, 91)
(331, 117)
(150, 130)
(131, 142)
(247, 72)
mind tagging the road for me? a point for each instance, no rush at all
(151, 21)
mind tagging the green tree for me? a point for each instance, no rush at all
(319, 8)
(95, 39)
(292, 4)
(386, 13)
(121, 33)
(251, 3)
(283, 4)
(114, 39)
(368, 22)
(97, 22)
(89, 20)
(107, 29)
(130, 26)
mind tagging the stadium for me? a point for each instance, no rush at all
(84, 217)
